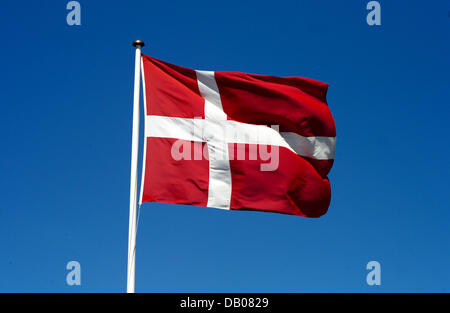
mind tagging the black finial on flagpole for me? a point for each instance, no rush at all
(138, 43)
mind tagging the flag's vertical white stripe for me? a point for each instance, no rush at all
(144, 158)
(210, 92)
(219, 189)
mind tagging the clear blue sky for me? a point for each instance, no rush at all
(66, 99)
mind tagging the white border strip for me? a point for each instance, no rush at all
(144, 158)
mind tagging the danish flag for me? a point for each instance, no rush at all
(236, 141)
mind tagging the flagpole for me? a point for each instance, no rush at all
(134, 164)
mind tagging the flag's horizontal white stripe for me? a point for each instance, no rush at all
(173, 127)
(237, 132)
(320, 148)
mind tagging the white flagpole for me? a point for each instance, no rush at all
(134, 164)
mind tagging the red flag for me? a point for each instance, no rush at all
(236, 141)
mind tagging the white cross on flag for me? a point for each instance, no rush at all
(236, 141)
